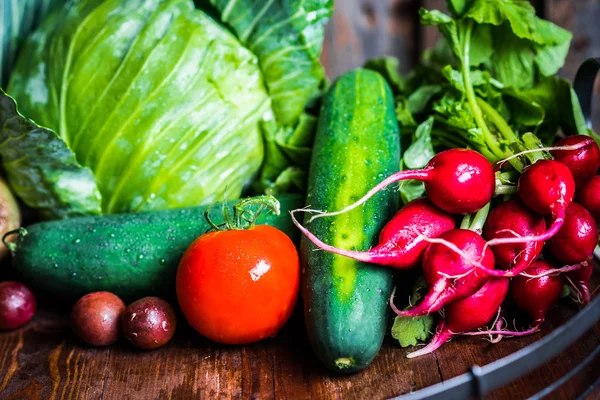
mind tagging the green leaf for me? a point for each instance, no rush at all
(482, 48)
(457, 7)
(550, 56)
(42, 169)
(287, 37)
(403, 114)
(17, 19)
(292, 179)
(389, 68)
(411, 190)
(520, 14)
(420, 99)
(286, 148)
(420, 151)
(455, 78)
(409, 330)
(525, 112)
(446, 25)
(513, 59)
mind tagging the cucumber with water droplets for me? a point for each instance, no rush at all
(356, 144)
(131, 255)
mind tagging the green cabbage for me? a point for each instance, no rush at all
(17, 18)
(134, 105)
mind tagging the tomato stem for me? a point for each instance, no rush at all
(243, 217)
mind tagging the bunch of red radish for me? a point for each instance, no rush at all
(471, 269)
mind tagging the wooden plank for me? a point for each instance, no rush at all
(458, 355)
(580, 17)
(365, 29)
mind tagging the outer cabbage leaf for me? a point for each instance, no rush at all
(162, 103)
(287, 37)
(42, 169)
(17, 18)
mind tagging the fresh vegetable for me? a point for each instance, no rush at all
(95, 318)
(579, 280)
(131, 255)
(17, 305)
(536, 296)
(239, 285)
(489, 82)
(575, 241)
(148, 323)
(10, 215)
(408, 330)
(136, 105)
(402, 241)
(18, 19)
(583, 162)
(449, 269)
(459, 181)
(589, 197)
(468, 314)
(547, 187)
(357, 142)
(505, 220)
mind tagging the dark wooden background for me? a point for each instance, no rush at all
(363, 29)
(44, 361)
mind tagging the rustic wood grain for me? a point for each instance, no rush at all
(581, 18)
(364, 29)
(44, 361)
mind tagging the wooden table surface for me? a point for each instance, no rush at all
(44, 360)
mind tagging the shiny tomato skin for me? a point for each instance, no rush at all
(239, 286)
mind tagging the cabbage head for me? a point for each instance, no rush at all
(134, 105)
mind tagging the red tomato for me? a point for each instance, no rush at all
(239, 286)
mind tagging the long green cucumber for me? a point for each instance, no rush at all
(357, 144)
(131, 255)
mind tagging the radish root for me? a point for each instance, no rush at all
(571, 147)
(556, 271)
(398, 176)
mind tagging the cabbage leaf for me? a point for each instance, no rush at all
(161, 102)
(17, 18)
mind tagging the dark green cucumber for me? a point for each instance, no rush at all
(131, 255)
(357, 144)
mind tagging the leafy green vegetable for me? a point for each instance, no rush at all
(409, 330)
(416, 156)
(389, 68)
(164, 104)
(43, 169)
(17, 19)
(489, 80)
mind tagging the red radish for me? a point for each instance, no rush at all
(536, 296)
(449, 269)
(547, 187)
(589, 197)
(402, 240)
(575, 241)
(580, 279)
(583, 162)
(504, 220)
(459, 181)
(465, 315)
